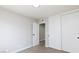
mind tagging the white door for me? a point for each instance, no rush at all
(35, 34)
(54, 32)
(70, 32)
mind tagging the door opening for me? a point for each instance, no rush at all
(42, 34)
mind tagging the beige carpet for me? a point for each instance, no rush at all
(41, 49)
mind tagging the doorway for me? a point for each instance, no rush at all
(42, 34)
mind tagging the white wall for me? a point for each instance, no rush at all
(42, 32)
(42, 20)
(15, 31)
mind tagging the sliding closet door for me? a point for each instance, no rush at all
(70, 32)
(54, 32)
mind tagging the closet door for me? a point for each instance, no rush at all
(54, 32)
(70, 32)
(51, 32)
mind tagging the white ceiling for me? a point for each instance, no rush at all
(41, 11)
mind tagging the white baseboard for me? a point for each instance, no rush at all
(19, 50)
